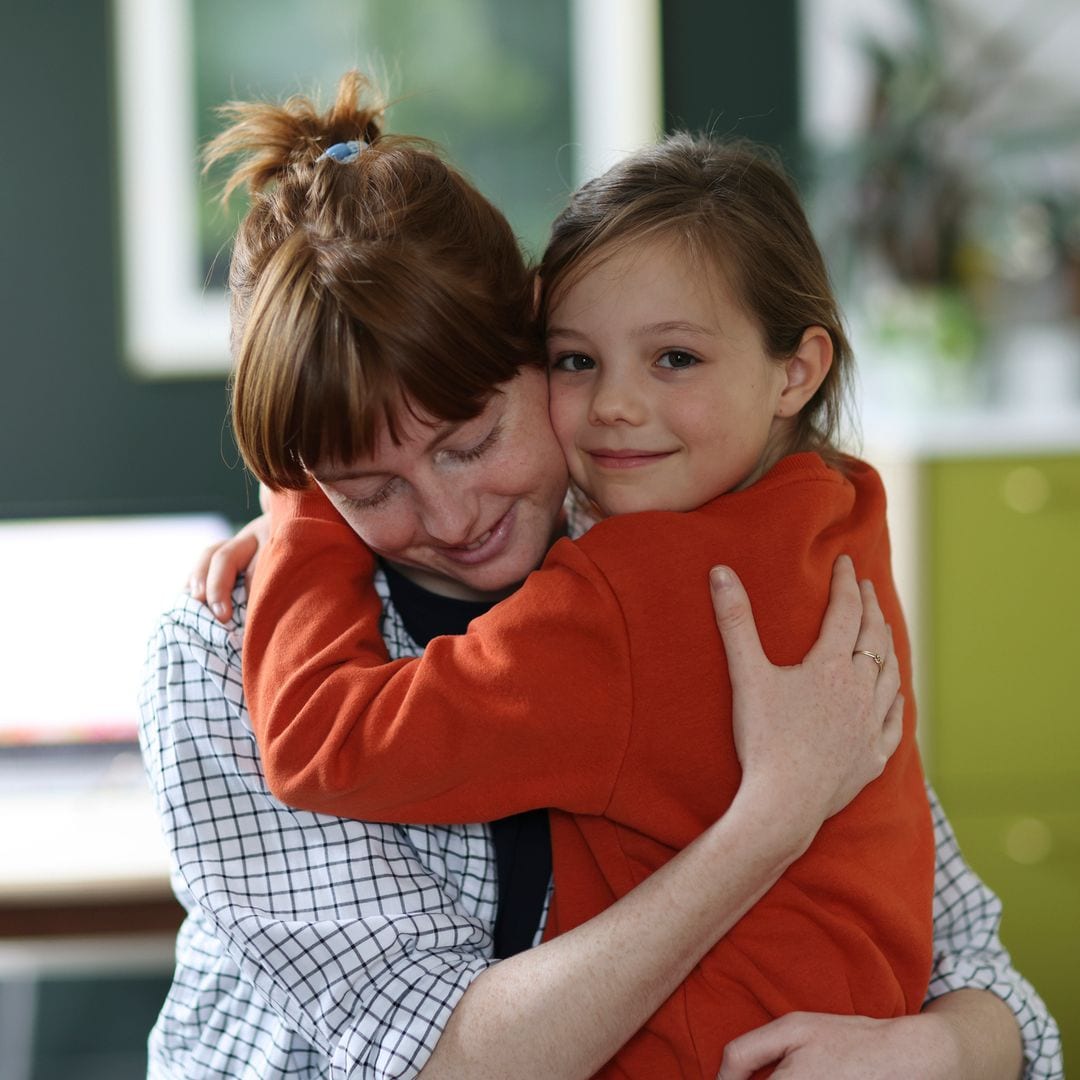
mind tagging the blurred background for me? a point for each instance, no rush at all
(937, 143)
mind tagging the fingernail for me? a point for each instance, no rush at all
(720, 577)
(218, 608)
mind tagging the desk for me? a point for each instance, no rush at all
(100, 844)
(83, 862)
(85, 909)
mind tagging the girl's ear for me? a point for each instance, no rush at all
(806, 370)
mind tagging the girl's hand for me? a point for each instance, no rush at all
(218, 567)
(812, 736)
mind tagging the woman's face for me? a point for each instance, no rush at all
(464, 509)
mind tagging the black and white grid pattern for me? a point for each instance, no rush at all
(317, 947)
(314, 946)
(968, 952)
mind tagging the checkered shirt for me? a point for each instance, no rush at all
(313, 946)
(320, 947)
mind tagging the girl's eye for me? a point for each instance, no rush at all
(574, 362)
(676, 360)
(480, 448)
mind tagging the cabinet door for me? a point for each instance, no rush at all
(1030, 859)
(1001, 700)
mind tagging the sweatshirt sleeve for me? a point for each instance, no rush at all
(530, 708)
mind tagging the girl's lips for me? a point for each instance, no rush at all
(627, 459)
(489, 546)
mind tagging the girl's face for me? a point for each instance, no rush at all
(662, 394)
(464, 509)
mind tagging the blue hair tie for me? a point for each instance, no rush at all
(345, 152)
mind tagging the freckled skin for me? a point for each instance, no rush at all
(662, 394)
(465, 510)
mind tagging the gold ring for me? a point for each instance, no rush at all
(876, 657)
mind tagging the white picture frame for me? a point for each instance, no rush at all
(174, 326)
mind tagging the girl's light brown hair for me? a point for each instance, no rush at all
(360, 289)
(736, 212)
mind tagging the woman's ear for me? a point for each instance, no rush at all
(806, 370)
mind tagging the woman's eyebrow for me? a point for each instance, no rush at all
(335, 476)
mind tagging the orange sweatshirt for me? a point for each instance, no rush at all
(600, 689)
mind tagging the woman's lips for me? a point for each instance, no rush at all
(488, 546)
(627, 459)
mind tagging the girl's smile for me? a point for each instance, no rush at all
(662, 394)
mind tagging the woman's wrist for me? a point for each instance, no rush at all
(782, 827)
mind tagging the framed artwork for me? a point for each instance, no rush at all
(528, 99)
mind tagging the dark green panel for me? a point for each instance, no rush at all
(732, 69)
(77, 431)
(95, 1028)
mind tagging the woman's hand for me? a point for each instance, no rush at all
(817, 1046)
(218, 567)
(964, 1035)
(818, 732)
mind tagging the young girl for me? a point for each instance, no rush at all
(696, 362)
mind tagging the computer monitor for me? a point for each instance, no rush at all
(81, 596)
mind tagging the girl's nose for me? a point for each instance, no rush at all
(617, 399)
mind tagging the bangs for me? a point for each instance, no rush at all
(381, 343)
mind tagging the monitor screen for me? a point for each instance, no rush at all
(81, 598)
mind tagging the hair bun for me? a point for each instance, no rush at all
(277, 142)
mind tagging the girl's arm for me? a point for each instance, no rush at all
(563, 1009)
(343, 730)
(968, 1029)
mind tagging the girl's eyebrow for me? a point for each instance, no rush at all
(675, 326)
(561, 331)
(679, 326)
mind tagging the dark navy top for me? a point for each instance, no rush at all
(523, 841)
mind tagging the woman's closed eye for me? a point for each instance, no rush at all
(481, 448)
(573, 362)
(677, 360)
(369, 502)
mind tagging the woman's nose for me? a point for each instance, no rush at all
(450, 517)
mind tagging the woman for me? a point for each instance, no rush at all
(559, 1034)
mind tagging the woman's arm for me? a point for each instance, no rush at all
(812, 733)
(982, 1018)
(563, 1009)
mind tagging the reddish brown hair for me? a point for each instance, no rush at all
(734, 208)
(362, 288)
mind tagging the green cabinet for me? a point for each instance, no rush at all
(1001, 696)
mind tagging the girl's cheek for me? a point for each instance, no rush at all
(561, 410)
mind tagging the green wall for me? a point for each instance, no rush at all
(79, 433)
(733, 69)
